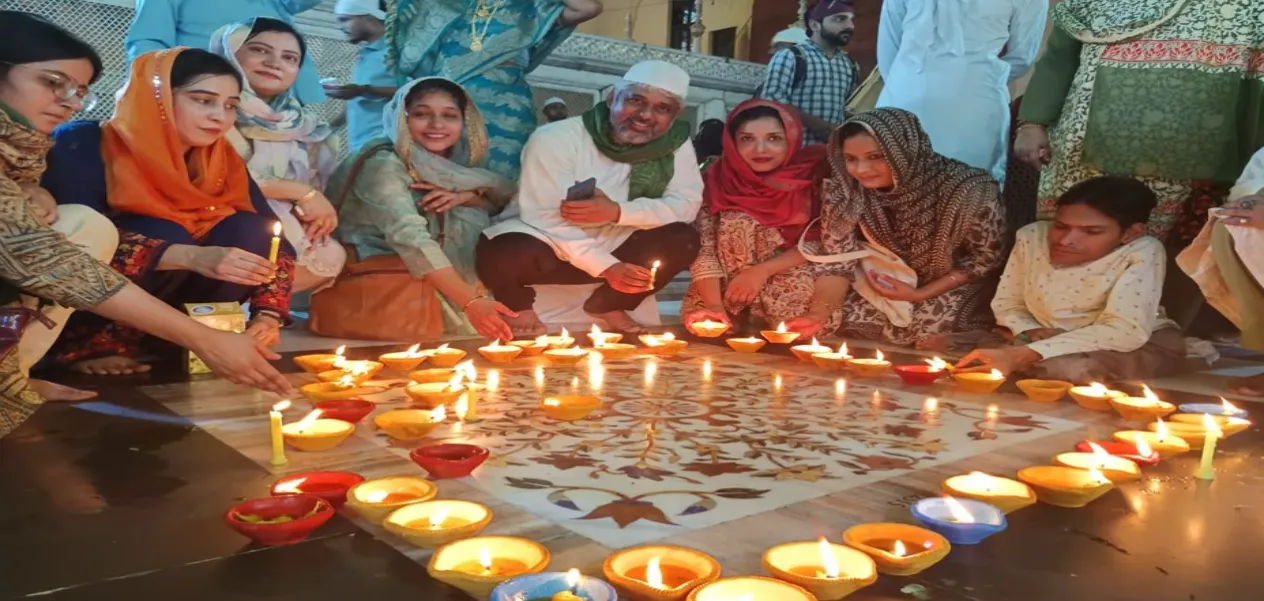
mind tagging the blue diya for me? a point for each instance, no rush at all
(542, 587)
(1214, 409)
(966, 523)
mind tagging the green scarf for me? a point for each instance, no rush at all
(653, 164)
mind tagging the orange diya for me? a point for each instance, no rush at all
(1094, 397)
(570, 408)
(532, 348)
(314, 364)
(1062, 486)
(746, 345)
(979, 383)
(870, 368)
(373, 500)
(1044, 391)
(1141, 409)
(431, 524)
(1003, 493)
(804, 352)
(1115, 469)
(659, 572)
(750, 588)
(358, 371)
(898, 549)
(434, 394)
(826, 570)
(560, 341)
(410, 424)
(404, 360)
(477, 565)
(1161, 440)
(780, 335)
(445, 356)
(598, 338)
(500, 353)
(344, 388)
(665, 345)
(565, 356)
(830, 360)
(708, 329)
(314, 434)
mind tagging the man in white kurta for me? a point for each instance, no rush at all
(648, 191)
(950, 63)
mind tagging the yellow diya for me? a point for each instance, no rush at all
(1062, 486)
(1044, 391)
(615, 350)
(500, 353)
(445, 356)
(1194, 434)
(404, 360)
(314, 434)
(435, 394)
(345, 388)
(598, 338)
(358, 371)
(830, 360)
(439, 374)
(1003, 493)
(826, 570)
(432, 524)
(665, 345)
(565, 356)
(1228, 425)
(410, 424)
(1094, 397)
(804, 352)
(869, 368)
(570, 408)
(1146, 408)
(373, 500)
(979, 383)
(708, 329)
(750, 588)
(314, 364)
(746, 345)
(659, 572)
(532, 348)
(560, 341)
(478, 565)
(780, 335)
(1161, 441)
(1115, 469)
(898, 549)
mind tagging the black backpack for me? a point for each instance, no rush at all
(801, 71)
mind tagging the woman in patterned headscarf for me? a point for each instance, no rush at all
(935, 224)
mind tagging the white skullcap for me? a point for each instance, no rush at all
(793, 35)
(662, 75)
(554, 100)
(356, 8)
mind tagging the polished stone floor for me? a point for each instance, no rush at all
(102, 503)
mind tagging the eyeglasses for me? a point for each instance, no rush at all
(63, 87)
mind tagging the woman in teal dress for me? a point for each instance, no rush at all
(488, 47)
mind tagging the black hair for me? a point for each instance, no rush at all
(807, 21)
(851, 130)
(437, 85)
(264, 25)
(31, 38)
(709, 141)
(193, 64)
(1123, 199)
(751, 114)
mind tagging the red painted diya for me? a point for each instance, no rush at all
(347, 410)
(281, 520)
(1127, 450)
(445, 461)
(918, 375)
(330, 486)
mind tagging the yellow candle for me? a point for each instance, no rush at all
(276, 242)
(1205, 471)
(654, 272)
(278, 442)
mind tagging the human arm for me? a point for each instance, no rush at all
(153, 27)
(680, 203)
(744, 288)
(779, 80)
(1026, 33)
(1251, 182)
(827, 297)
(1051, 81)
(317, 214)
(890, 33)
(580, 11)
(1010, 303)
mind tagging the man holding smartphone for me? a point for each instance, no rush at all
(603, 197)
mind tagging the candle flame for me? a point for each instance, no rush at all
(958, 511)
(828, 560)
(842, 349)
(552, 402)
(1149, 395)
(1097, 477)
(815, 342)
(439, 415)
(1099, 452)
(654, 574)
(496, 344)
(467, 369)
(359, 368)
(1143, 447)
(485, 558)
(542, 340)
(1098, 389)
(598, 337)
(282, 406)
(412, 350)
(457, 380)
(462, 407)
(307, 421)
(565, 334)
(656, 265)
(572, 578)
(341, 350)
(931, 404)
(1213, 429)
(437, 518)
(346, 381)
(878, 356)
(899, 550)
(376, 496)
(1228, 407)
(997, 375)
(292, 486)
(276, 229)
(981, 480)
(937, 364)
(781, 328)
(668, 337)
(1160, 431)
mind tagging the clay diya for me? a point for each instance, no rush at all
(445, 356)
(531, 348)
(282, 520)
(347, 410)
(313, 434)
(1137, 452)
(780, 335)
(1044, 391)
(331, 391)
(1004, 494)
(824, 569)
(746, 345)
(750, 588)
(869, 368)
(404, 360)
(1164, 443)
(922, 375)
(560, 341)
(832, 361)
(1062, 486)
(598, 338)
(1094, 397)
(358, 371)
(665, 345)
(1224, 408)
(555, 586)
(436, 394)
(449, 461)
(314, 364)
(1194, 434)
(569, 408)
(330, 486)
(898, 549)
(1141, 409)
(659, 572)
(979, 383)
(477, 565)
(500, 353)
(410, 424)
(804, 352)
(1228, 425)
(373, 500)
(566, 357)
(961, 521)
(708, 329)
(615, 350)
(432, 524)
(1116, 469)
(429, 376)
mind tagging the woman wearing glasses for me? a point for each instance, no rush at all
(44, 73)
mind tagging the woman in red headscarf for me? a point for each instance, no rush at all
(760, 200)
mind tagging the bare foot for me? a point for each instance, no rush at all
(527, 324)
(54, 392)
(620, 321)
(1249, 386)
(110, 366)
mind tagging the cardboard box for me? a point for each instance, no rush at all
(228, 317)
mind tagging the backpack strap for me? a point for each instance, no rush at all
(800, 68)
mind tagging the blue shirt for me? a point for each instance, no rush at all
(364, 114)
(161, 24)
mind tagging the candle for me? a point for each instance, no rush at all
(1205, 471)
(274, 422)
(276, 242)
(654, 272)
(781, 335)
(1007, 495)
(870, 368)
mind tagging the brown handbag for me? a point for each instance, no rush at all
(377, 298)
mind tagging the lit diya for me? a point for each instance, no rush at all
(500, 353)
(1062, 486)
(870, 368)
(665, 345)
(1224, 408)
(1138, 452)
(434, 394)
(1160, 440)
(898, 549)
(555, 586)
(1044, 391)
(410, 424)
(1228, 425)
(750, 588)
(440, 374)
(922, 375)
(833, 361)
(314, 434)
(1194, 434)
(1141, 409)
(961, 521)
(609, 347)
(560, 341)
(445, 356)
(404, 360)
(780, 335)
(570, 408)
(314, 364)
(432, 524)
(373, 500)
(1094, 397)
(532, 348)
(980, 383)
(659, 572)
(804, 352)
(1004, 494)
(599, 338)
(358, 371)
(344, 388)
(708, 329)
(565, 356)
(746, 345)
(330, 486)
(826, 570)
(1116, 469)
(477, 565)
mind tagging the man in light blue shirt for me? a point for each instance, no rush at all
(371, 84)
(161, 24)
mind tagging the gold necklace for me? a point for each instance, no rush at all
(487, 12)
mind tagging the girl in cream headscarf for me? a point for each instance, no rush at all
(422, 194)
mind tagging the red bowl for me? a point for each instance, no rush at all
(444, 461)
(347, 410)
(1127, 450)
(288, 533)
(330, 486)
(918, 375)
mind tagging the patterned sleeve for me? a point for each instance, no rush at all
(707, 265)
(839, 227)
(43, 262)
(982, 251)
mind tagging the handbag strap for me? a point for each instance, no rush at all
(838, 258)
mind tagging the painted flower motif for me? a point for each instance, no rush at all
(565, 461)
(903, 431)
(880, 463)
(625, 512)
(716, 468)
(804, 473)
(643, 472)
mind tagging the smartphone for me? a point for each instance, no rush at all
(582, 190)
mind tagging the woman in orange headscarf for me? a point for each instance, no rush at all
(194, 228)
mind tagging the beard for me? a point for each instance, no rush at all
(837, 39)
(625, 136)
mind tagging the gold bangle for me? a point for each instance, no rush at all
(478, 297)
(306, 197)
